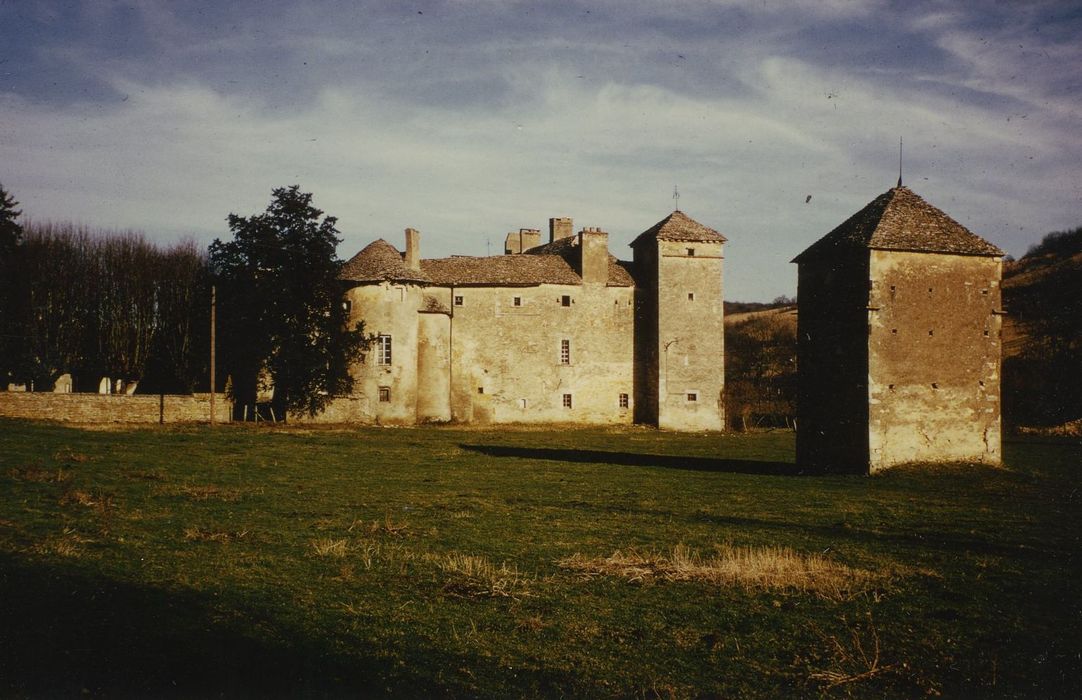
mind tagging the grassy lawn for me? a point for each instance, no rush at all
(187, 561)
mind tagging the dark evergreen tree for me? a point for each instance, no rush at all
(10, 233)
(281, 316)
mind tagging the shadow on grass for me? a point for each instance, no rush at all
(66, 633)
(633, 459)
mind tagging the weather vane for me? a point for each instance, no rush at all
(676, 198)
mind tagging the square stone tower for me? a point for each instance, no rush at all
(899, 318)
(679, 325)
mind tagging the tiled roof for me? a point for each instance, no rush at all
(513, 271)
(898, 219)
(379, 261)
(678, 226)
(553, 263)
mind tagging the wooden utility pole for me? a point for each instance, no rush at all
(213, 309)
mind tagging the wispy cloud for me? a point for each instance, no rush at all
(469, 119)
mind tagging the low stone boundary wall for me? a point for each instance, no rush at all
(113, 408)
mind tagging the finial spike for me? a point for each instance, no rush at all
(676, 198)
(899, 161)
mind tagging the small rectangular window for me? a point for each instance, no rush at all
(623, 400)
(383, 349)
(691, 296)
(691, 252)
(458, 300)
(565, 300)
(384, 394)
(693, 396)
(517, 301)
(567, 400)
(480, 390)
(565, 352)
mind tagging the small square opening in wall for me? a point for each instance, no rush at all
(691, 296)
(692, 396)
(384, 394)
(480, 390)
(516, 301)
(567, 401)
(458, 300)
(691, 252)
(565, 300)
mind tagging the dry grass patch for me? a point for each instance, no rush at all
(46, 476)
(386, 527)
(472, 576)
(98, 501)
(70, 456)
(198, 534)
(752, 568)
(69, 543)
(328, 547)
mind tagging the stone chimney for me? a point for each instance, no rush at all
(413, 249)
(560, 227)
(522, 241)
(594, 251)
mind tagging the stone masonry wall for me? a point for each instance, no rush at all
(111, 408)
(934, 349)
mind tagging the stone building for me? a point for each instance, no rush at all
(898, 341)
(553, 333)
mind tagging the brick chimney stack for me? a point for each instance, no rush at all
(413, 249)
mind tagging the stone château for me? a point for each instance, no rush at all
(546, 333)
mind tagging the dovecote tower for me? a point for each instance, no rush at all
(899, 319)
(679, 325)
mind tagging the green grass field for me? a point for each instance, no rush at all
(186, 561)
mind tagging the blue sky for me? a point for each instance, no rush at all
(467, 119)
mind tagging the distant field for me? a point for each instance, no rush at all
(187, 561)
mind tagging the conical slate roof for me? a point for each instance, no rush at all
(678, 226)
(898, 219)
(379, 261)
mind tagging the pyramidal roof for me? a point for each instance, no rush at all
(379, 261)
(678, 226)
(899, 219)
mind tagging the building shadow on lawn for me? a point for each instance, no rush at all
(635, 459)
(66, 633)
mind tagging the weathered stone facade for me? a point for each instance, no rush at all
(554, 333)
(898, 341)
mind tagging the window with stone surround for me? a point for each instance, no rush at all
(565, 352)
(458, 300)
(384, 394)
(516, 301)
(383, 350)
(567, 400)
(624, 400)
(692, 396)
(565, 300)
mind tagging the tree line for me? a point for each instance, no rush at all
(100, 304)
(93, 303)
